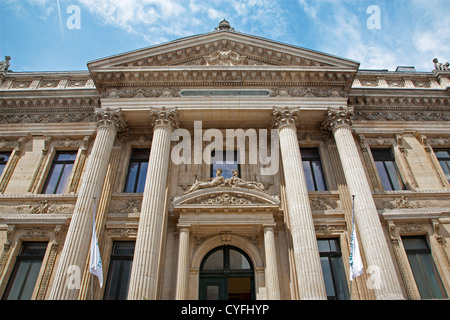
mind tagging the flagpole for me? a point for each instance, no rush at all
(353, 223)
(92, 279)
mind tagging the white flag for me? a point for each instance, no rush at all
(356, 265)
(95, 264)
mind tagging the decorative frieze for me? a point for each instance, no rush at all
(310, 92)
(141, 93)
(405, 115)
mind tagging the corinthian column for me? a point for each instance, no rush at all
(306, 254)
(387, 285)
(76, 246)
(144, 274)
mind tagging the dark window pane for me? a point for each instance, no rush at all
(214, 261)
(444, 160)
(119, 271)
(312, 167)
(387, 169)
(327, 276)
(140, 186)
(340, 280)
(137, 171)
(59, 174)
(26, 270)
(238, 261)
(4, 157)
(64, 179)
(324, 245)
(424, 269)
(318, 175)
(333, 269)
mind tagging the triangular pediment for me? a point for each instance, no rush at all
(223, 48)
(225, 58)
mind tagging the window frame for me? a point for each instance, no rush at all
(4, 163)
(21, 257)
(383, 160)
(52, 166)
(335, 254)
(121, 258)
(138, 174)
(427, 251)
(446, 159)
(310, 160)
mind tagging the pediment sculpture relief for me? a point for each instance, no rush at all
(227, 58)
(220, 181)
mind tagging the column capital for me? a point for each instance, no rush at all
(286, 116)
(110, 118)
(338, 118)
(162, 117)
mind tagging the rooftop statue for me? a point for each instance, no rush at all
(4, 65)
(441, 67)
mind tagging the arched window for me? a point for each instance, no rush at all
(226, 273)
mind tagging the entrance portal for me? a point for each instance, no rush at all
(226, 273)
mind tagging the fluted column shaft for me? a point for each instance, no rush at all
(272, 281)
(387, 285)
(306, 254)
(144, 273)
(77, 243)
(183, 264)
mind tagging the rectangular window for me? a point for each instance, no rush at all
(60, 172)
(137, 171)
(443, 157)
(423, 267)
(119, 271)
(333, 269)
(26, 270)
(227, 161)
(387, 169)
(312, 167)
(4, 157)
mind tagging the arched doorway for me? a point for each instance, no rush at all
(226, 273)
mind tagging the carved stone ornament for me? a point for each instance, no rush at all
(162, 117)
(308, 92)
(219, 181)
(110, 118)
(141, 93)
(226, 199)
(338, 117)
(284, 117)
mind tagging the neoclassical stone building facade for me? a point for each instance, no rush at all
(138, 139)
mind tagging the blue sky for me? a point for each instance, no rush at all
(36, 35)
